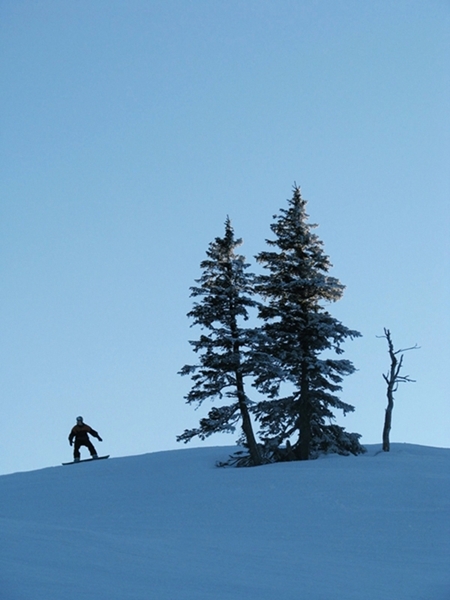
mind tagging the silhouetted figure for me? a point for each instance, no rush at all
(80, 433)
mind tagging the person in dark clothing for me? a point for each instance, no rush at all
(79, 433)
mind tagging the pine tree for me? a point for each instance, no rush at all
(225, 295)
(300, 337)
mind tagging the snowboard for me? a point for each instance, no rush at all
(85, 460)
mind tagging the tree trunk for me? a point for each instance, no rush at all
(246, 421)
(304, 442)
(388, 420)
(247, 428)
(304, 418)
(391, 379)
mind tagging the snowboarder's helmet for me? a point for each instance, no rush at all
(79, 419)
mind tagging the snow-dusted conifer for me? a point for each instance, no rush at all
(301, 375)
(225, 295)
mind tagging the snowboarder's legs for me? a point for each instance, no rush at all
(89, 446)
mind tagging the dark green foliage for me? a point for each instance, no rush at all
(298, 332)
(225, 356)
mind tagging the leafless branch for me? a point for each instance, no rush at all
(392, 379)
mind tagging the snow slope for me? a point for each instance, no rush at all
(172, 526)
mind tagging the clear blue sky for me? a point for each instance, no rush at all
(129, 130)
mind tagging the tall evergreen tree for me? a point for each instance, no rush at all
(225, 359)
(301, 342)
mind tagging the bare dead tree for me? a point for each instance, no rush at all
(392, 379)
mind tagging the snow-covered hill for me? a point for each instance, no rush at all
(172, 526)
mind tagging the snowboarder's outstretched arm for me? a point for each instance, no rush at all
(95, 434)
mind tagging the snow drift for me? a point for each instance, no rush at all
(172, 526)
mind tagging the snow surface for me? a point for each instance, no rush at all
(172, 526)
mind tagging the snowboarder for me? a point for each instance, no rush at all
(80, 433)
